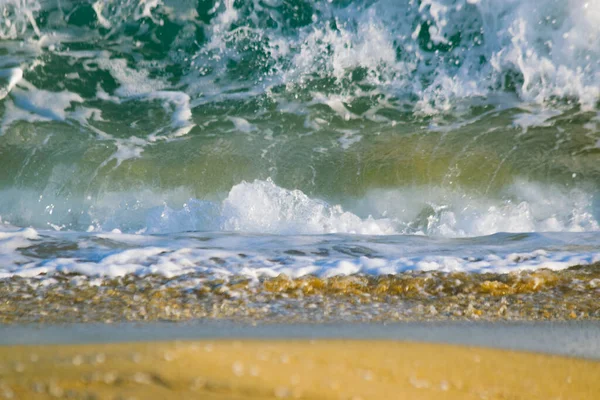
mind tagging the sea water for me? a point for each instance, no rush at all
(299, 137)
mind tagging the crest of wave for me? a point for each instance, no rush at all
(438, 50)
(429, 52)
(262, 206)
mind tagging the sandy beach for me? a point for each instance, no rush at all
(302, 369)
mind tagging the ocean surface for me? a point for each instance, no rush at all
(301, 137)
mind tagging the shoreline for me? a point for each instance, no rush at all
(579, 339)
(542, 294)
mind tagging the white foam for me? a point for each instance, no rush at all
(12, 239)
(50, 106)
(535, 118)
(551, 47)
(181, 116)
(98, 6)
(135, 84)
(349, 138)
(522, 207)
(13, 114)
(370, 46)
(242, 125)
(226, 255)
(262, 206)
(12, 77)
(126, 149)
(17, 17)
(108, 13)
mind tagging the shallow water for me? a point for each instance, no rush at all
(573, 339)
(227, 255)
(304, 137)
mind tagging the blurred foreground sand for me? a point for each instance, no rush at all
(254, 369)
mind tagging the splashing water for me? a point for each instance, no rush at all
(443, 118)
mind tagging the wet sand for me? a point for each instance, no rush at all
(331, 338)
(303, 369)
(539, 295)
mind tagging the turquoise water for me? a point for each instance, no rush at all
(437, 118)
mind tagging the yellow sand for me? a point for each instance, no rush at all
(290, 369)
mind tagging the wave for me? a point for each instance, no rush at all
(428, 54)
(450, 118)
(265, 208)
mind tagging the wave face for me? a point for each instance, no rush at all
(443, 118)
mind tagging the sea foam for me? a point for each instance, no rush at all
(263, 207)
(223, 255)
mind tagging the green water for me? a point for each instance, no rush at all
(186, 99)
